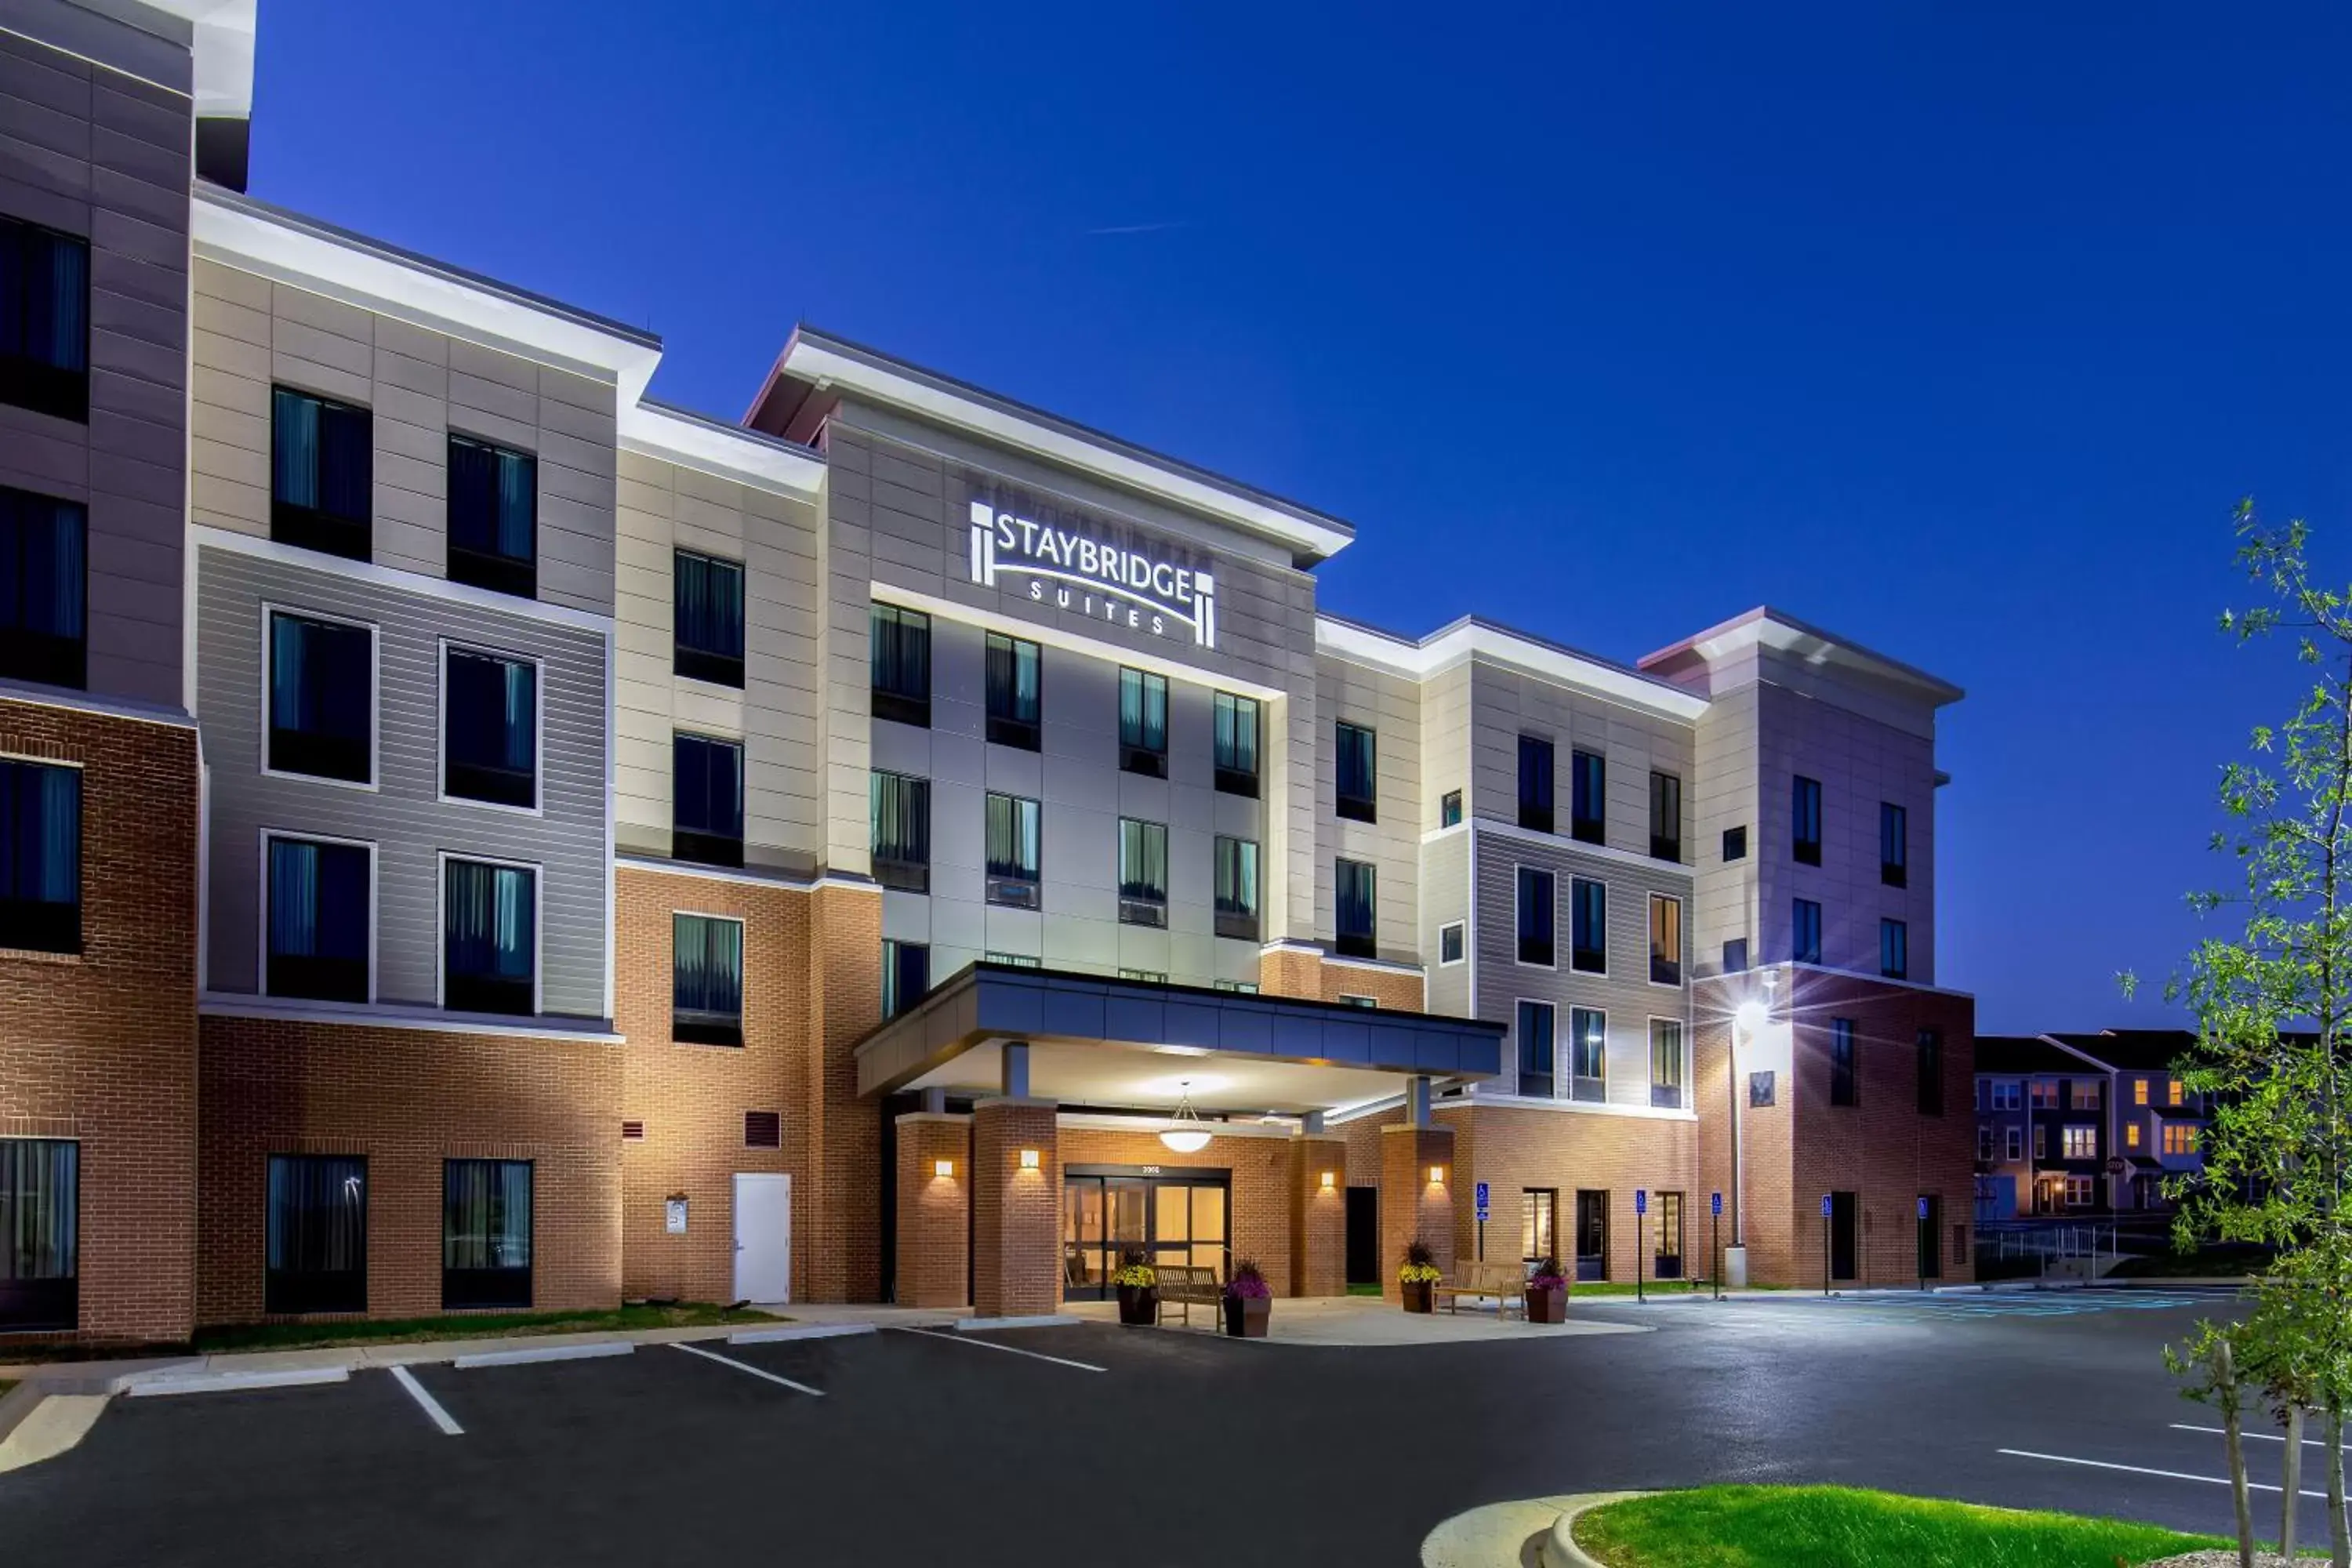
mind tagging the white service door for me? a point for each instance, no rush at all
(763, 1237)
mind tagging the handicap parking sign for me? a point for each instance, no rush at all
(1826, 1206)
(1641, 1201)
(1715, 1201)
(1923, 1208)
(1482, 1200)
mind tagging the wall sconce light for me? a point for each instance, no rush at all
(1437, 1176)
(1028, 1159)
(943, 1167)
(1330, 1180)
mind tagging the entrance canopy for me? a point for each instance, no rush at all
(1136, 1044)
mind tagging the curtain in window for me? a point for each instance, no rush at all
(1012, 678)
(318, 1213)
(1011, 834)
(322, 455)
(906, 975)
(43, 297)
(710, 605)
(1142, 710)
(40, 834)
(1535, 775)
(1536, 914)
(902, 651)
(490, 921)
(486, 1218)
(709, 787)
(1534, 1028)
(1588, 917)
(320, 683)
(1142, 860)
(493, 499)
(294, 447)
(43, 569)
(901, 808)
(1355, 763)
(39, 1226)
(1807, 931)
(1238, 877)
(318, 911)
(493, 712)
(1355, 896)
(1666, 1063)
(707, 971)
(1237, 732)
(1894, 948)
(1588, 788)
(1588, 1045)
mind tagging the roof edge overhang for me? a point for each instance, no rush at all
(1775, 630)
(1472, 637)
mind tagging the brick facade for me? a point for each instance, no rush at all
(1017, 1211)
(1259, 1168)
(934, 1216)
(1412, 1206)
(1318, 1215)
(1295, 971)
(101, 1047)
(408, 1099)
(1516, 1149)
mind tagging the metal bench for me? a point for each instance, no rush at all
(1507, 1282)
(1187, 1286)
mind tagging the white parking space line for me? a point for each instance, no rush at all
(746, 1366)
(982, 1344)
(432, 1406)
(2254, 1437)
(2143, 1470)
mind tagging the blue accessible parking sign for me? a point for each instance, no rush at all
(1641, 1201)
(1715, 1201)
(1482, 1201)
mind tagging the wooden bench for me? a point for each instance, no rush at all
(1507, 1282)
(1187, 1286)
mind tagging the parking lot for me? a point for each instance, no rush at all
(1076, 1443)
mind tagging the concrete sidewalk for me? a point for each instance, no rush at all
(1367, 1322)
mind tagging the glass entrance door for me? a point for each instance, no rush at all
(1180, 1218)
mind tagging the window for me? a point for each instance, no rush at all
(316, 1245)
(2012, 1144)
(1153, 977)
(1588, 1054)
(2180, 1138)
(43, 321)
(1588, 797)
(1588, 926)
(1894, 948)
(1665, 940)
(2085, 1093)
(1667, 1233)
(1234, 719)
(321, 698)
(1762, 1090)
(489, 715)
(1014, 701)
(1845, 1088)
(901, 812)
(485, 1233)
(1143, 723)
(1930, 1224)
(1735, 955)
(2172, 1091)
(40, 858)
(40, 1234)
(1239, 987)
(1805, 821)
(1666, 817)
(707, 800)
(1537, 917)
(763, 1129)
(2045, 1094)
(2007, 1096)
(2079, 1193)
(2139, 1091)
(1735, 844)
(705, 990)
(706, 619)
(493, 518)
(2041, 1141)
(2131, 1135)
(1142, 872)
(1012, 960)
(1355, 900)
(1011, 833)
(1984, 1142)
(1237, 887)
(900, 657)
(1449, 809)
(906, 975)
(2079, 1142)
(44, 588)
(1930, 1044)
(1358, 791)
(1540, 1225)
(319, 917)
(322, 474)
(489, 937)
(1535, 1029)
(1666, 1068)
(1535, 784)
(1893, 845)
(1805, 931)
(1449, 943)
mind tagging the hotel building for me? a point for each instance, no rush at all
(474, 835)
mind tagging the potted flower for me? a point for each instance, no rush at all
(1547, 1292)
(1419, 1276)
(1249, 1302)
(1138, 1294)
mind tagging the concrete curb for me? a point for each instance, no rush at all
(1559, 1549)
(798, 1332)
(147, 1386)
(1036, 1320)
(545, 1352)
(17, 1403)
(1515, 1534)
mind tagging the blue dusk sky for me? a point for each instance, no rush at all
(1956, 330)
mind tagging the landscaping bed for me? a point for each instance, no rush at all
(1840, 1526)
(471, 1326)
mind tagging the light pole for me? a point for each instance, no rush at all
(1747, 1022)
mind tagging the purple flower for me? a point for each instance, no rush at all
(1254, 1290)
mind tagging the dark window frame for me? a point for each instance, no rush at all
(1588, 1050)
(1449, 809)
(1536, 893)
(905, 963)
(471, 991)
(41, 382)
(1237, 916)
(1540, 1080)
(1226, 712)
(695, 1016)
(1894, 948)
(1845, 1066)
(1805, 930)
(1805, 821)
(1735, 844)
(1893, 845)
(321, 524)
(1357, 943)
(47, 657)
(708, 841)
(47, 1298)
(898, 665)
(476, 780)
(289, 1290)
(1012, 719)
(1588, 797)
(1360, 803)
(305, 752)
(1584, 957)
(703, 644)
(909, 871)
(1141, 900)
(1138, 751)
(1666, 817)
(1929, 1044)
(1672, 1091)
(488, 565)
(1536, 794)
(494, 1286)
(1666, 970)
(32, 918)
(318, 977)
(1017, 881)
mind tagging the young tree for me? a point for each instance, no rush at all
(2273, 1008)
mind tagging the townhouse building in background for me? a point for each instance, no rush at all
(475, 837)
(2084, 1124)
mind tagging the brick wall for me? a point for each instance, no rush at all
(1413, 1207)
(1514, 1149)
(1291, 972)
(934, 1211)
(844, 961)
(102, 1047)
(1015, 1212)
(1319, 1216)
(407, 1099)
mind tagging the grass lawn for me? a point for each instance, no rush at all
(1363, 1289)
(5, 1385)
(1838, 1527)
(468, 1326)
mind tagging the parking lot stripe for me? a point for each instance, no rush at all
(981, 1344)
(2254, 1437)
(441, 1418)
(746, 1366)
(551, 1353)
(2143, 1470)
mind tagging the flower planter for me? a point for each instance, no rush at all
(1420, 1296)
(1246, 1316)
(1139, 1306)
(1547, 1306)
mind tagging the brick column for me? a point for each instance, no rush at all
(1318, 1215)
(1016, 1213)
(1412, 1205)
(934, 1228)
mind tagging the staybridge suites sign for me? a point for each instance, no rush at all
(1075, 571)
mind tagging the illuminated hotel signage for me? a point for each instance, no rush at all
(1073, 570)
